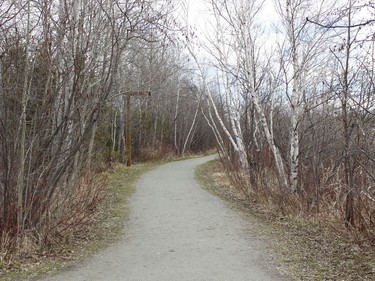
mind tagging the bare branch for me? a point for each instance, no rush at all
(340, 26)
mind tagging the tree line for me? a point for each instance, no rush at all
(65, 70)
(291, 103)
(288, 104)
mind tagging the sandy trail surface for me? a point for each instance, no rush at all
(177, 231)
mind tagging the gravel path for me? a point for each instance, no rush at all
(177, 232)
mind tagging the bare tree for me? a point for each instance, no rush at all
(59, 65)
(299, 60)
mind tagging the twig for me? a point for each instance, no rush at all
(340, 26)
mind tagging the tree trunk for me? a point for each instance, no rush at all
(121, 132)
(190, 130)
(283, 181)
(176, 146)
(348, 171)
(22, 140)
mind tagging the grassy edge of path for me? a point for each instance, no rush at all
(106, 227)
(303, 248)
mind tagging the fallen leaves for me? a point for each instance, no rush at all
(306, 248)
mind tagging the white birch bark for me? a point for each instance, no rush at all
(268, 132)
(190, 130)
(301, 52)
(270, 140)
(233, 140)
(248, 52)
(154, 135)
(234, 117)
(294, 135)
(175, 118)
(113, 134)
(121, 130)
(295, 100)
(234, 35)
(211, 123)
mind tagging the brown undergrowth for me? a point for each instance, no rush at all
(95, 226)
(308, 247)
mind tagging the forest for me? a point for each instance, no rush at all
(287, 101)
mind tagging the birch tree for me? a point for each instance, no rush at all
(237, 52)
(299, 62)
(59, 64)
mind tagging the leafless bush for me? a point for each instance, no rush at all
(64, 70)
(323, 197)
(69, 212)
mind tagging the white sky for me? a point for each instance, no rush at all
(201, 19)
(199, 12)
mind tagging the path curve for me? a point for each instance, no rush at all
(177, 231)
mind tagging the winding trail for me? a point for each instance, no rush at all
(177, 231)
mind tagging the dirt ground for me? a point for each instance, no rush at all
(177, 231)
(308, 248)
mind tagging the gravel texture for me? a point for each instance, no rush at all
(176, 231)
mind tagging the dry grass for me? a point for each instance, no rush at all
(104, 226)
(307, 247)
